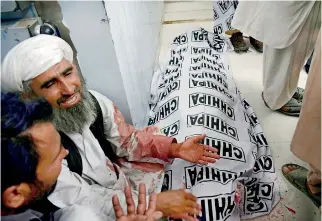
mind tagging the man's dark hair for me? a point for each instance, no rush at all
(18, 159)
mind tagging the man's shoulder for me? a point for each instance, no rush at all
(100, 97)
(103, 101)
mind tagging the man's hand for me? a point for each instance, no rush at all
(178, 204)
(191, 150)
(141, 214)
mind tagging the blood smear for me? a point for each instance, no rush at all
(291, 210)
(237, 197)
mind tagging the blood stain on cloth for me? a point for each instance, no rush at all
(237, 197)
(147, 167)
(151, 129)
(291, 210)
(277, 214)
(110, 165)
(238, 194)
(125, 130)
(160, 175)
(152, 187)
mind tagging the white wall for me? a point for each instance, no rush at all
(90, 33)
(135, 28)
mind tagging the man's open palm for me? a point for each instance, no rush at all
(191, 150)
(141, 214)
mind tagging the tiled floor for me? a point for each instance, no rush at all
(279, 129)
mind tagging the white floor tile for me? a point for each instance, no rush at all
(184, 15)
(188, 6)
(192, 11)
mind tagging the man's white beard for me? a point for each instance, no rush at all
(75, 118)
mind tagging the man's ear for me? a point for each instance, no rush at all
(16, 196)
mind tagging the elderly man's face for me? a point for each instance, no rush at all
(60, 85)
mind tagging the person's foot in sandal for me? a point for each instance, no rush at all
(232, 31)
(291, 108)
(297, 176)
(238, 42)
(299, 94)
(258, 45)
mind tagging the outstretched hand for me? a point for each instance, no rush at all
(141, 214)
(191, 150)
(178, 204)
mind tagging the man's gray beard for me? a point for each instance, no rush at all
(75, 118)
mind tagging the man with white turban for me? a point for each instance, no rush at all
(113, 154)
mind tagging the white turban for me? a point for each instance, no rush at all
(31, 58)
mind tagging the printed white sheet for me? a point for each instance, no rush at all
(223, 15)
(194, 93)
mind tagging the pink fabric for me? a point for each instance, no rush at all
(147, 167)
(150, 145)
(125, 130)
(147, 143)
(151, 129)
(110, 165)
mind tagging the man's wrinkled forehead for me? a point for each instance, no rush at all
(55, 71)
(60, 67)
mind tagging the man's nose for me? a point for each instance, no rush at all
(66, 88)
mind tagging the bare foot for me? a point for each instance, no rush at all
(289, 168)
(311, 188)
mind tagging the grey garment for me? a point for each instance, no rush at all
(282, 67)
(71, 213)
(28, 215)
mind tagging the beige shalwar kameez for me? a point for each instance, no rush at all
(306, 143)
(288, 30)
